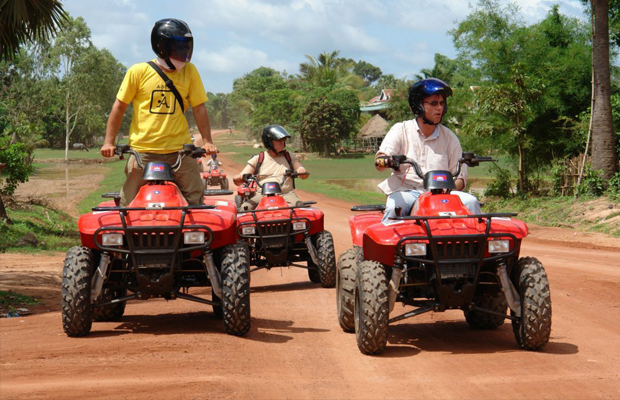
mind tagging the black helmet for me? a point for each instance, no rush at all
(171, 38)
(273, 132)
(424, 88)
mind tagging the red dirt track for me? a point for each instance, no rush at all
(296, 349)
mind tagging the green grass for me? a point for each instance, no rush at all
(10, 300)
(113, 182)
(552, 211)
(45, 154)
(54, 230)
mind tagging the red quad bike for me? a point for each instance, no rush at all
(213, 177)
(245, 191)
(279, 235)
(440, 258)
(157, 247)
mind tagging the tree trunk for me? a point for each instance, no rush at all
(67, 127)
(604, 155)
(520, 187)
(3, 215)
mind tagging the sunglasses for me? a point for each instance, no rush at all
(435, 103)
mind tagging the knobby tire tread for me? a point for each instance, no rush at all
(76, 285)
(236, 289)
(533, 329)
(371, 308)
(345, 287)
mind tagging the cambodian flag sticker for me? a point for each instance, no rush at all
(157, 168)
(440, 178)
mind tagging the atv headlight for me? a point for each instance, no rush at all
(499, 246)
(193, 237)
(415, 249)
(112, 239)
(299, 226)
(248, 230)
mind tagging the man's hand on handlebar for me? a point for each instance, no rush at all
(384, 162)
(302, 173)
(108, 150)
(210, 148)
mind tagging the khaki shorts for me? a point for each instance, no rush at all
(187, 177)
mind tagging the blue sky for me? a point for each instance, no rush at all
(233, 37)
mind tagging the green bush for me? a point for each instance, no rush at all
(501, 185)
(591, 182)
(613, 188)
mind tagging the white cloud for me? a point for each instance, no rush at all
(238, 60)
(233, 37)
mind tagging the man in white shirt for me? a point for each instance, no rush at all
(432, 145)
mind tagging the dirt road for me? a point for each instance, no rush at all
(296, 349)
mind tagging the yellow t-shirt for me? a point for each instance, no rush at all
(158, 124)
(273, 168)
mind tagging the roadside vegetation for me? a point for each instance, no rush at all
(10, 302)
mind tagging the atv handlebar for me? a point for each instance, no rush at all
(395, 162)
(247, 178)
(188, 150)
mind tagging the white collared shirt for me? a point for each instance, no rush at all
(440, 151)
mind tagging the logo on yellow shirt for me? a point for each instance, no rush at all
(163, 102)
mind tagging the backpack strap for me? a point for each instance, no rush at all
(261, 158)
(168, 83)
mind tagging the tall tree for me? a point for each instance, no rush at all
(604, 156)
(324, 70)
(493, 39)
(27, 21)
(369, 72)
(444, 69)
(70, 45)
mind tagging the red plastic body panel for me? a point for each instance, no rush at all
(247, 190)
(379, 240)
(272, 203)
(221, 220)
(433, 204)
(360, 222)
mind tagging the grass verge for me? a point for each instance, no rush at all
(10, 301)
(37, 227)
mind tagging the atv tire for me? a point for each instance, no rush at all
(236, 289)
(533, 329)
(313, 273)
(324, 244)
(224, 184)
(492, 301)
(345, 287)
(371, 307)
(217, 310)
(111, 312)
(238, 202)
(77, 316)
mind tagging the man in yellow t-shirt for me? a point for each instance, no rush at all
(159, 128)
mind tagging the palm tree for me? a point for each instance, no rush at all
(604, 155)
(444, 69)
(24, 21)
(324, 71)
